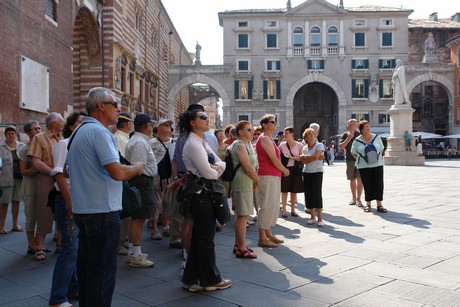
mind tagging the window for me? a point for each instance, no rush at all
(243, 65)
(384, 118)
(242, 24)
(387, 39)
(271, 24)
(272, 89)
(387, 63)
(273, 65)
(315, 36)
(243, 40)
(359, 88)
(359, 22)
(360, 39)
(271, 40)
(243, 89)
(386, 22)
(141, 90)
(359, 64)
(385, 89)
(138, 20)
(50, 9)
(315, 64)
(360, 116)
(298, 37)
(123, 79)
(332, 36)
(131, 83)
(243, 117)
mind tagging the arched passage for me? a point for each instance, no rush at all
(191, 80)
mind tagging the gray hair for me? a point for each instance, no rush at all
(95, 95)
(351, 121)
(29, 124)
(315, 127)
(51, 118)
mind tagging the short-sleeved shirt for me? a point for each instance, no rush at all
(348, 155)
(121, 139)
(266, 167)
(138, 150)
(159, 150)
(41, 146)
(92, 188)
(314, 166)
(294, 150)
(59, 156)
(242, 182)
(358, 148)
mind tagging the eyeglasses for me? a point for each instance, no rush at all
(257, 133)
(114, 103)
(203, 116)
(36, 129)
(272, 122)
(250, 130)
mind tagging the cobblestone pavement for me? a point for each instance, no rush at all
(409, 256)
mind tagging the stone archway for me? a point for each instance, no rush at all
(194, 79)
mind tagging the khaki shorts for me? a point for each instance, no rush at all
(12, 193)
(352, 171)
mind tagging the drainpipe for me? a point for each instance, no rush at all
(100, 20)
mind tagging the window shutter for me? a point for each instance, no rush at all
(353, 64)
(366, 64)
(265, 89)
(381, 88)
(237, 89)
(353, 88)
(250, 89)
(366, 88)
(278, 89)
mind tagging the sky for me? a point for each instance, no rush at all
(197, 20)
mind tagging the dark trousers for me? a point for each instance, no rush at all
(372, 179)
(97, 257)
(201, 261)
(313, 187)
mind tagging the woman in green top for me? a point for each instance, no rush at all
(244, 184)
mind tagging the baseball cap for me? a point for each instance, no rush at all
(280, 133)
(143, 119)
(195, 106)
(11, 127)
(165, 120)
(124, 117)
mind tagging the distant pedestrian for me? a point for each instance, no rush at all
(408, 139)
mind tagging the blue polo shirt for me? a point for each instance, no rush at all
(92, 188)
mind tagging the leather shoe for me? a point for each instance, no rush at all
(266, 243)
(275, 239)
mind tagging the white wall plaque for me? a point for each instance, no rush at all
(34, 93)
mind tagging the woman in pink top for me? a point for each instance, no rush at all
(270, 171)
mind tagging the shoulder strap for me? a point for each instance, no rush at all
(73, 135)
(163, 145)
(374, 138)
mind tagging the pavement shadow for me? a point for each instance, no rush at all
(402, 218)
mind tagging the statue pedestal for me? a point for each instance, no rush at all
(400, 122)
(430, 58)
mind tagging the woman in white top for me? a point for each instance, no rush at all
(201, 163)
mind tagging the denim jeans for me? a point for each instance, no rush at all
(65, 269)
(97, 257)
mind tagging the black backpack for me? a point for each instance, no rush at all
(165, 166)
(230, 171)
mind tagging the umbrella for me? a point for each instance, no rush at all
(427, 135)
(453, 136)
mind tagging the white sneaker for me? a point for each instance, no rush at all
(321, 224)
(129, 257)
(166, 232)
(155, 235)
(141, 262)
(122, 251)
(65, 304)
(311, 221)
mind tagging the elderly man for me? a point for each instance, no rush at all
(42, 160)
(96, 193)
(139, 151)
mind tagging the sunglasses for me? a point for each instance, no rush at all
(203, 117)
(250, 130)
(114, 103)
(36, 129)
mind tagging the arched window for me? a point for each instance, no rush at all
(298, 36)
(315, 36)
(332, 36)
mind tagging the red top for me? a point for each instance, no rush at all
(228, 141)
(266, 167)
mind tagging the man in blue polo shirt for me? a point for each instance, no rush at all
(96, 193)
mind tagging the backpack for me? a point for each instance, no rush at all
(165, 166)
(371, 155)
(230, 171)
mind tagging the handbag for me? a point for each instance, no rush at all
(298, 166)
(131, 200)
(220, 206)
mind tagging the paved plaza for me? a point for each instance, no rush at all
(409, 256)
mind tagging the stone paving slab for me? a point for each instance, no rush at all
(407, 257)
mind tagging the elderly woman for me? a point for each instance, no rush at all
(371, 172)
(293, 183)
(312, 157)
(203, 165)
(10, 178)
(270, 171)
(244, 184)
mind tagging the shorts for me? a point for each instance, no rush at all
(352, 171)
(145, 186)
(244, 203)
(12, 193)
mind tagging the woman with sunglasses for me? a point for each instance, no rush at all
(270, 171)
(203, 165)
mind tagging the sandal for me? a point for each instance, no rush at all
(235, 248)
(294, 214)
(284, 215)
(17, 228)
(3, 231)
(247, 254)
(367, 209)
(359, 204)
(381, 209)
(30, 251)
(40, 255)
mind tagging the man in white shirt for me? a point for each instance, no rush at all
(122, 134)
